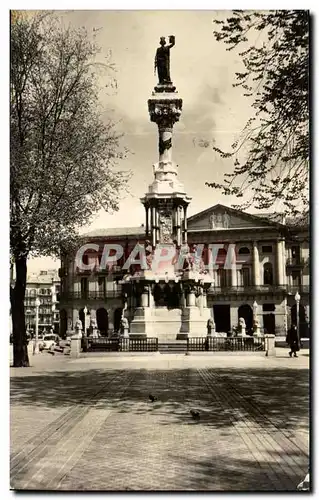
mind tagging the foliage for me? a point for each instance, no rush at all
(271, 157)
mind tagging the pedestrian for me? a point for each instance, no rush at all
(293, 341)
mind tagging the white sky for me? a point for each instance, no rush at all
(203, 72)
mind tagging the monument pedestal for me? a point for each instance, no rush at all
(194, 321)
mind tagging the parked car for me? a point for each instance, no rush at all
(49, 341)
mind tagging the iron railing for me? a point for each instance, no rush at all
(298, 288)
(101, 344)
(297, 261)
(149, 344)
(217, 290)
(226, 344)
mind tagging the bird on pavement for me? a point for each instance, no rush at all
(195, 414)
(152, 398)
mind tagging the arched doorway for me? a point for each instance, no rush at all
(221, 315)
(63, 323)
(102, 320)
(117, 319)
(246, 312)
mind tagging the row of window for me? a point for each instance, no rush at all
(38, 291)
(31, 300)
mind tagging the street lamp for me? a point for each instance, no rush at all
(53, 310)
(28, 314)
(297, 299)
(85, 311)
(36, 340)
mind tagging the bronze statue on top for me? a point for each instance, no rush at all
(162, 62)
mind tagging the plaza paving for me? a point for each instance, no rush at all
(87, 424)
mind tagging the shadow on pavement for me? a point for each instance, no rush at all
(280, 395)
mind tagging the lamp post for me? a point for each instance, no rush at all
(28, 314)
(53, 310)
(297, 299)
(85, 311)
(36, 340)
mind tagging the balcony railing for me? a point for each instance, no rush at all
(90, 295)
(245, 289)
(297, 262)
(298, 288)
(217, 290)
(114, 270)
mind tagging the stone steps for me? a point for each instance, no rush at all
(173, 347)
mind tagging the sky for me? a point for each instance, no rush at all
(202, 71)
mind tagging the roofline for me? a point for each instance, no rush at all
(237, 212)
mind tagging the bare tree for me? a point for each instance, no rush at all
(63, 165)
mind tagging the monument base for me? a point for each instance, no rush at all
(169, 324)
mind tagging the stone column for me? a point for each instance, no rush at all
(234, 276)
(178, 226)
(145, 296)
(110, 313)
(75, 317)
(146, 221)
(233, 317)
(185, 225)
(153, 224)
(279, 262)
(256, 265)
(191, 299)
(183, 299)
(150, 297)
(165, 144)
(284, 262)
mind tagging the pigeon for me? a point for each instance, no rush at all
(152, 398)
(195, 414)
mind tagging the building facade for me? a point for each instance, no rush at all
(44, 285)
(272, 264)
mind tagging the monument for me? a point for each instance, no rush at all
(168, 299)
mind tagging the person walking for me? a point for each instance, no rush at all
(293, 341)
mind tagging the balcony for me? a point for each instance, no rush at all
(90, 295)
(297, 262)
(293, 289)
(249, 289)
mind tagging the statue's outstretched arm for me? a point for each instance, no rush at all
(171, 41)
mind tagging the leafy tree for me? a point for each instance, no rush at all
(63, 155)
(271, 156)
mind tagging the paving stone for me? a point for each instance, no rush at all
(88, 424)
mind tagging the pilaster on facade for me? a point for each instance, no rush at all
(280, 264)
(256, 264)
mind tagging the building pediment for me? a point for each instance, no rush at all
(221, 217)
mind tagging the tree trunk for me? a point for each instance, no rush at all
(20, 341)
